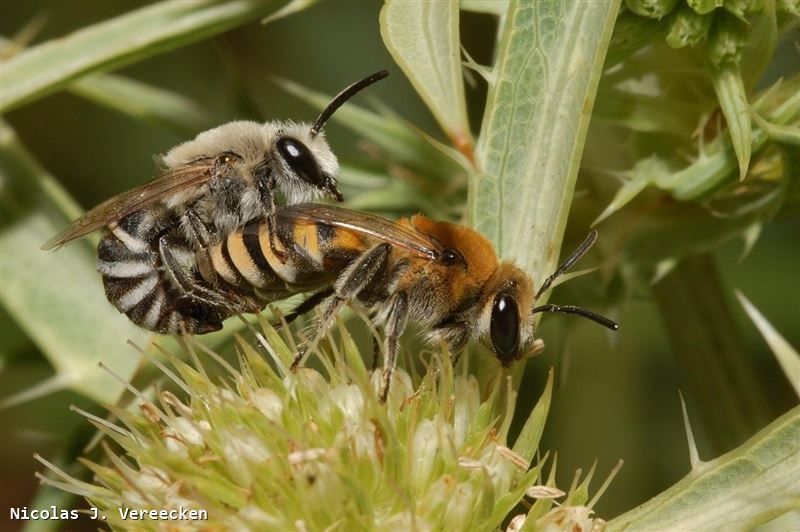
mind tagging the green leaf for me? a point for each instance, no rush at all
(750, 485)
(549, 61)
(644, 173)
(144, 102)
(733, 100)
(56, 297)
(423, 39)
(493, 7)
(787, 356)
(136, 35)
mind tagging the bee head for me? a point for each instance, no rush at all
(307, 165)
(506, 322)
(304, 155)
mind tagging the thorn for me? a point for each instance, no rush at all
(694, 457)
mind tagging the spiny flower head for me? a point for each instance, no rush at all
(265, 448)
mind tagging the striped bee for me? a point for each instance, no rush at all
(210, 186)
(443, 276)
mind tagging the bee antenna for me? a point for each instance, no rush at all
(342, 97)
(587, 243)
(588, 314)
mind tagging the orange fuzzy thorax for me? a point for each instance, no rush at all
(476, 248)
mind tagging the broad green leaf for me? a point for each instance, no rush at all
(423, 39)
(128, 38)
(144, 102)
(55, 297)
(733, 101)
(787, 356)
(549, 59)
(493, 7)
(750, 485)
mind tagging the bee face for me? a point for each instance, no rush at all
(504, 328)
(506, 321)
(305, 164)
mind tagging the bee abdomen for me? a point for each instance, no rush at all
(135, 285)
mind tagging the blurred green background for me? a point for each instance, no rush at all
(617, 395)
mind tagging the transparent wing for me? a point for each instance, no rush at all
(111, 210)
(399, 235)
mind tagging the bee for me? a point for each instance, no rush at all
(209, 187)
(445, 277)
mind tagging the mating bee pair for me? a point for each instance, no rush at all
(205, 240)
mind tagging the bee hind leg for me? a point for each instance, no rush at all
(357, 276)
(306, 306)
(191, 288)
(397, 318)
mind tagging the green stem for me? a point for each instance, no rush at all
(719, 376)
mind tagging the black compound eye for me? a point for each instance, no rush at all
(450, 256)
(300, 160)
(504, 328)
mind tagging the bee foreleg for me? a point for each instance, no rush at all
(353, 280)
(265, 189)
(396, 321)
(196, 228)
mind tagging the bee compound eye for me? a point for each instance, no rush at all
(450, 256)
(301, 161)
(504, 328)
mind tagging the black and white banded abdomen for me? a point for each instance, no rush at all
(135, 281)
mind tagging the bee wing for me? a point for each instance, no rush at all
(394, 233)
(113, 209)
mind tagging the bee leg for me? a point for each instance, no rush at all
(200, 233)
(376, 353)
(333, 306)
(353, 280)
(189, 287)
(265, 188)
(306, 306)
(397, 318)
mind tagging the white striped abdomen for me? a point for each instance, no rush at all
(135, 283)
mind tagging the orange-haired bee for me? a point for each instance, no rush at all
(443, 276)
(210, 186)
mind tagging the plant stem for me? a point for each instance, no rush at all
(720, 377)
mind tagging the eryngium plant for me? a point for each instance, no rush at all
(265, 448)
